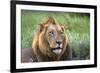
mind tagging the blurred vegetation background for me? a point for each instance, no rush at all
(78, 32)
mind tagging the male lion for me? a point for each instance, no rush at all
(49, 44)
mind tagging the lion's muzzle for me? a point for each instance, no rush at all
(58, 48)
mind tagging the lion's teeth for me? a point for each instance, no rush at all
(57, 51)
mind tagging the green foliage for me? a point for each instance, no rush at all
(78, 29)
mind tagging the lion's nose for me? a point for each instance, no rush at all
(58, 43)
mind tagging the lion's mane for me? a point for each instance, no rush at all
(41, 48)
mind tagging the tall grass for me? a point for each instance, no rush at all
(78, 31)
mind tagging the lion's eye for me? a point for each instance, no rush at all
(52, 33)
(61, 32)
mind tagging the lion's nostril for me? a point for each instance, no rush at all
(58, 43)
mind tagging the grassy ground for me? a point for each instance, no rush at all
(78, 32)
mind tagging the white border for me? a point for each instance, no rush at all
(20, 65)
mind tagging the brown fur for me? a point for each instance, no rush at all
(41, 48)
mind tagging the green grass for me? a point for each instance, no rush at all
(78, 32)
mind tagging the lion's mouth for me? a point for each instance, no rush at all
(56, 50)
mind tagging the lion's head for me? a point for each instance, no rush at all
(50, 40)
(55, 37)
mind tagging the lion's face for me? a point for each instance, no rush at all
(55, 37)
(50, 42)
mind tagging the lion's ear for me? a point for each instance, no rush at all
(64, 27)
(42, 26)
(51, 20)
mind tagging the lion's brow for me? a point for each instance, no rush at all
(58, 28)
(55, 27)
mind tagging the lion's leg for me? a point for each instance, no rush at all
(27, 55)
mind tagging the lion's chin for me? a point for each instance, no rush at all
(57, 51)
